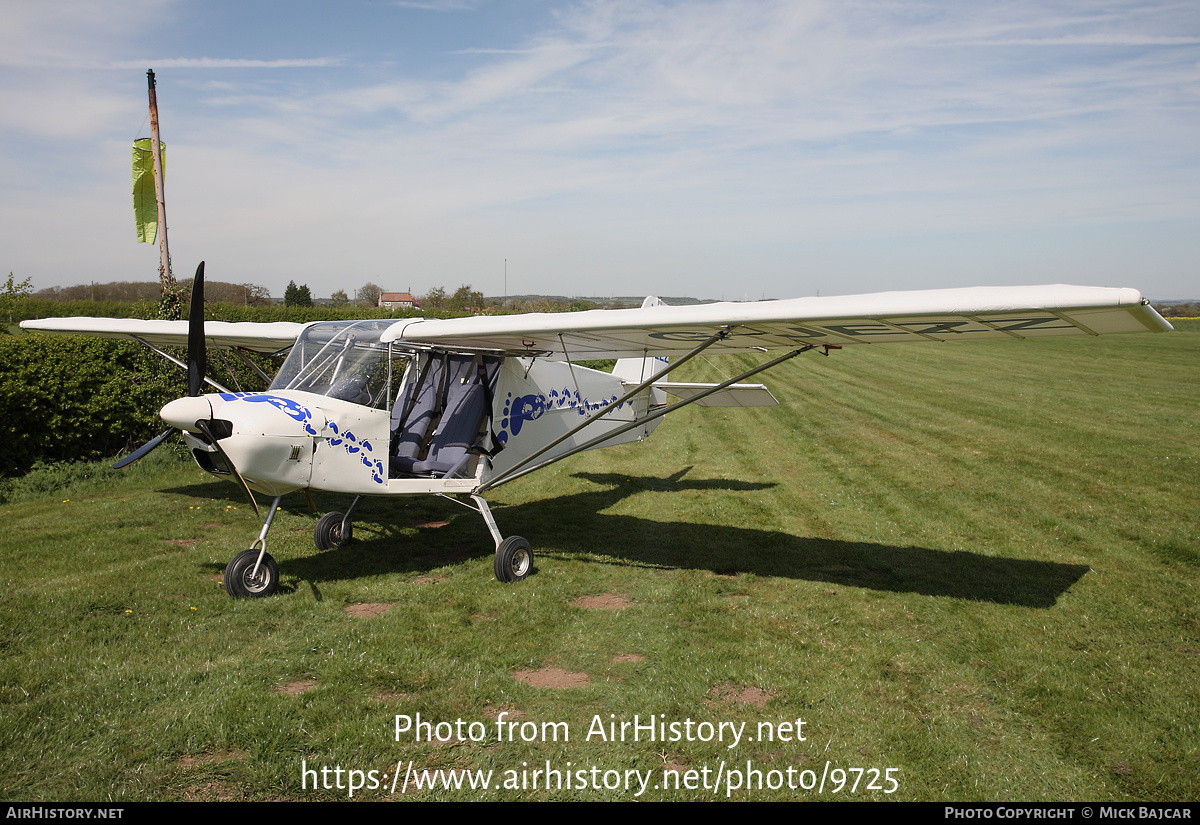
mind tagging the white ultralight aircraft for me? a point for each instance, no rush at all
(457, 407)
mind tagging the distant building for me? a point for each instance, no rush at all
(398, 300)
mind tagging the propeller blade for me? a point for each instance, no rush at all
(203, 425)
(141, 451)
(197, 361)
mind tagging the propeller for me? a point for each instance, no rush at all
(145, 449)
(197, 361)
(197, 366)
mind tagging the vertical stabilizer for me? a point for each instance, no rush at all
(633, 371)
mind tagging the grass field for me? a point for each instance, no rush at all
(972, 569)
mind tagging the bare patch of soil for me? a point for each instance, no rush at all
(367, 610)
(429, 525)
(429, 580)
(296, 688)
(727, 693)
(183, 542)
(628, 657)
(551, 677)
(213, 792)
(603, 601)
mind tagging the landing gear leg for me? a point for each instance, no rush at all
(514, 555)
(253, 573)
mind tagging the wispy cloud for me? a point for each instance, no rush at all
(1096, 40)
(658, 131)
(438, 5)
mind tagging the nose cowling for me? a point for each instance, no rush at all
(264, 438)
(183, 413)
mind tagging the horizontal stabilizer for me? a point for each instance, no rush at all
(735, 395)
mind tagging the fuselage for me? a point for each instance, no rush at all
(334, 417)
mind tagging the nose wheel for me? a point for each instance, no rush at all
(249, 577)
(252, 574)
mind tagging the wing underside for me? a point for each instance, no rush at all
(251, 336)
(892, 317)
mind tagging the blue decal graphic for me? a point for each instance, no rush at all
(353, 446)
(294, 410)
(525, 408)
(304, 416)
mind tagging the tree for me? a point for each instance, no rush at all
(465, 298)
(297, 296)
(256, 295)
(218, 292)
(369, 294)
(339, 299)
(435, 299)
(12, 291)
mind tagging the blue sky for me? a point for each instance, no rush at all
(716, 149)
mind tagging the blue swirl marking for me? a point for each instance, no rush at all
(294, 410)
(526, 408)
(303, 415)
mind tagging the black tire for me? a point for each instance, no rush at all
(514, 559)
(238, 580)
(328, 534)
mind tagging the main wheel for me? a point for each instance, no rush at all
(514, 559)
(329, 535)
(242, 583)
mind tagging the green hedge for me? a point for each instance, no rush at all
(65, 398)
(77, 398)
(24, 309)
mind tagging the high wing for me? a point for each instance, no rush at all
(244, 335)
(884, 317)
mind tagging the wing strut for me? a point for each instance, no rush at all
(518, 470)
(176, 362)
(720, 335)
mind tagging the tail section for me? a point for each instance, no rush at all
(637, 370)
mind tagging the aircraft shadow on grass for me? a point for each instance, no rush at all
(577, 523)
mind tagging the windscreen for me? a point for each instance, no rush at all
(344, 360)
